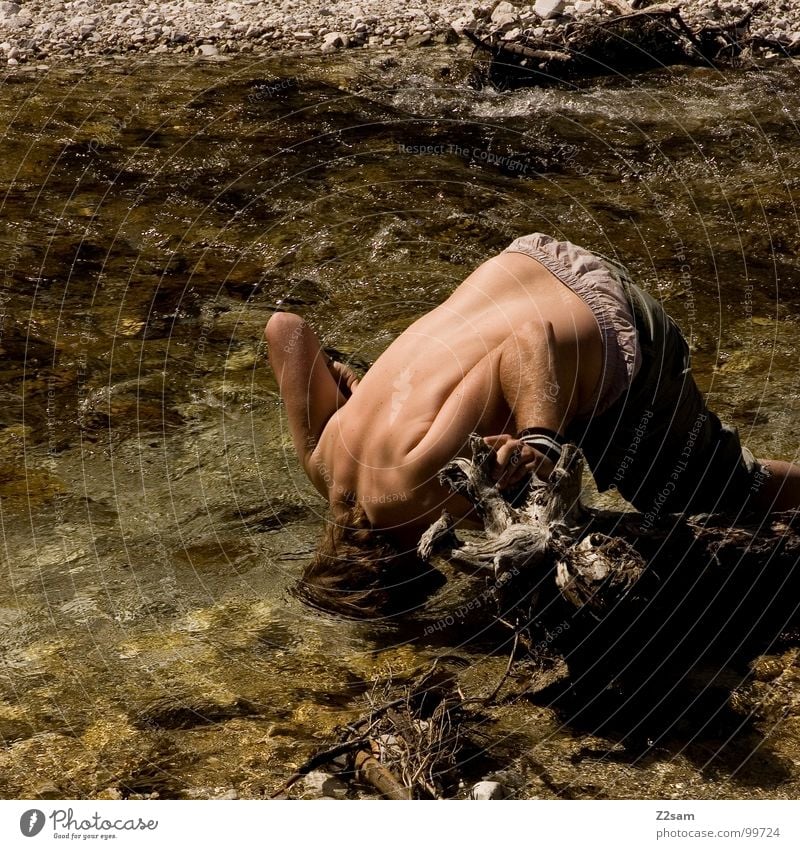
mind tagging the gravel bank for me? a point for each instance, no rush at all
(44, 30)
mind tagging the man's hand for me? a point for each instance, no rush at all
(345, 377)
(515, 460)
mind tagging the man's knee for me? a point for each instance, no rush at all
(283, 331)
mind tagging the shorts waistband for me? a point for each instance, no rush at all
(601, 284)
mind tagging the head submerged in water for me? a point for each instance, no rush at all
(362, 573)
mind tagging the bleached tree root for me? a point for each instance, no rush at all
(619, 586)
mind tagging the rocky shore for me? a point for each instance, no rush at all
(50, 30)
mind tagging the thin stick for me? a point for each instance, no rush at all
(522, 638)
(489, 699)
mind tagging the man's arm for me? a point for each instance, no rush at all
(540, 394)
(309, 388)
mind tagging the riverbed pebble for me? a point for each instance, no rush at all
(547, 9)
(74, 29)
(488, 790)
(321, 785)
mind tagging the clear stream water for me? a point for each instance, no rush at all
(155, 213)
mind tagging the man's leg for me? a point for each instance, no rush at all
(780, 489)
(661, 446)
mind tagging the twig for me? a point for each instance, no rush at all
(687, 31)
(489, 699)
(378, 711)
(537, 54)
(522, 638)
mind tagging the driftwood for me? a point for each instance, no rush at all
(596, 555)
(627, 597)
(371, 771)
(636, 39)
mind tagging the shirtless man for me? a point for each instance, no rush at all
(543, 343)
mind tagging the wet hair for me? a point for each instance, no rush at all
(359, 572)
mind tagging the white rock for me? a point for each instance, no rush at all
(547, 9)
(230, 794)
(208, 50)
(504, 21)
(320, 784)
(304, 35)
(16, 21)
(333, 40)
(583, 7)
(513, 33)
(488, 790)
(502, 11)
(460, 24)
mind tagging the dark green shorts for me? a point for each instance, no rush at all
(659, 444)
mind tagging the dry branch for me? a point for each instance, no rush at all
(372, 772)
(405, 747)
(635, 39)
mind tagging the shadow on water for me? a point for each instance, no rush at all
(701, 671)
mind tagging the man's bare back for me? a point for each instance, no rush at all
(580, 353)
(512, 347)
